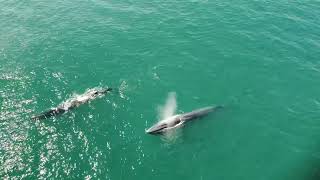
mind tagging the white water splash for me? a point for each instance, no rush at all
(164, 113)
(169, 109)
(78, 99)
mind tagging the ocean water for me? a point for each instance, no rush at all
(260, 59)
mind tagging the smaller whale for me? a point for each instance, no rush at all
(178, 120)
(73, 102)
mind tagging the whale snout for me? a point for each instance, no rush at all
(156, 129)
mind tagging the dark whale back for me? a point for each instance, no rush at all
(199, 113)
(49, 113)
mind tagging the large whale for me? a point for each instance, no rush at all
(73, 102)
(178, 120)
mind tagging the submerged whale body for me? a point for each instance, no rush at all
(179, 119)
(74, 102)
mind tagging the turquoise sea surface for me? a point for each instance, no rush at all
(260, 59)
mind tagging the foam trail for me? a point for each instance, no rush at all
(170, 107)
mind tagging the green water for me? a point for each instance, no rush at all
(258, 58)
